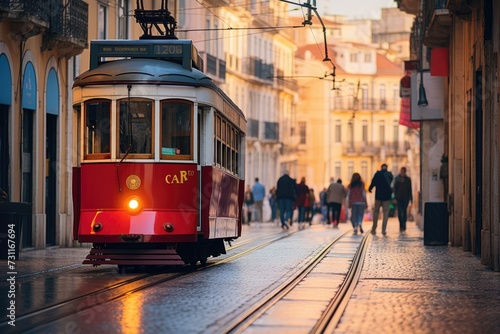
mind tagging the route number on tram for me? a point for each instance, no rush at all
(168, 49)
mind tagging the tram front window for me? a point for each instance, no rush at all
(176, 129)
(136, 124)
(97, 130)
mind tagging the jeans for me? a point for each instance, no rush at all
(357, 213)
(402, 213)
(335, 208)
(285, 206)
(258, 211)
(385, 212)
(302, 214)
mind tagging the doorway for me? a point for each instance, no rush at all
(50, 180)
(478, 111)
(27, 169)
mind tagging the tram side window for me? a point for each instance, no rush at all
(226, 144)
(136, 127)
(176, 130)
(97, 129)
(217, 150)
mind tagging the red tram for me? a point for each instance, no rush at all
(158, 176)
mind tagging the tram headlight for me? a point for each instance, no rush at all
(133, 205)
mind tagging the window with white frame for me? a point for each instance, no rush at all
(338, 169)
(338, 131)
(364, 131)
(123, 19)
(302, 132)
(382, 132)
(364, 170)
(102, 21)
(350, 168)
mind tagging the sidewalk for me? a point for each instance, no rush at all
(407, 287)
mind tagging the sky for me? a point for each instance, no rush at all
(353, 9)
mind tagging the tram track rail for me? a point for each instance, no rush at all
(35, 318)
(333, 312)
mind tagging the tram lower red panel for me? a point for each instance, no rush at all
(146, 227)
(167, 193)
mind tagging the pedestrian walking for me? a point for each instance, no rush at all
(286, 195)
(382, 181)
(356, 201)
(273, 203)
(310, 206)
(249, 203)
(259, 193)
(403, 195)
(336, 194)
(323, 195)
(302, 199)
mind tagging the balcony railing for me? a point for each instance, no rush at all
(257, 68)
(214, 66)
(416, 38)
(374, 148)
(438, 24)
(283, 81)
(350, 103)
(29, 17)
(63, 23)
(68, 30)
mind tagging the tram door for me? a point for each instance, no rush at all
(50, 179)
(27, 169)
(200, 132)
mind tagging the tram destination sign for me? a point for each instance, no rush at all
(168, 50)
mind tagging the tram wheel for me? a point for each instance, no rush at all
(203, 262)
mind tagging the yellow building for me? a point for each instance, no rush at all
(350, 125)
(37, 42)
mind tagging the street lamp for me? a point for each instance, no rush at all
(422, 98)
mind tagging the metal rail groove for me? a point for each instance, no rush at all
(249, 316)
(331, 316)
(36, 318)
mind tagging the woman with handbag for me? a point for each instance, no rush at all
(356, 199)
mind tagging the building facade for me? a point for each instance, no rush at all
(467, 36)
(349, 111)
(37, 42)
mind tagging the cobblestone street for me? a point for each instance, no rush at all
(407, 287)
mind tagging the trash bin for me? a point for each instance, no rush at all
(436, 224)
(11, 219)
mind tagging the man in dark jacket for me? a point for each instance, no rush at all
(286, 195)
(382, 180)
(403, 195)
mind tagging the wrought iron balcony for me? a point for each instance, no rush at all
(439, 24)
(28, 17)
(350, 103)
(257, 68)
(64, 23)
(68, 30)
(214, 66)
(368, 148)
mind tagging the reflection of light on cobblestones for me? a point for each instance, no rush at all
(131, 314)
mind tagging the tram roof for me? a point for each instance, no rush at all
(149, 72)
(180, 51)
(143, 71)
